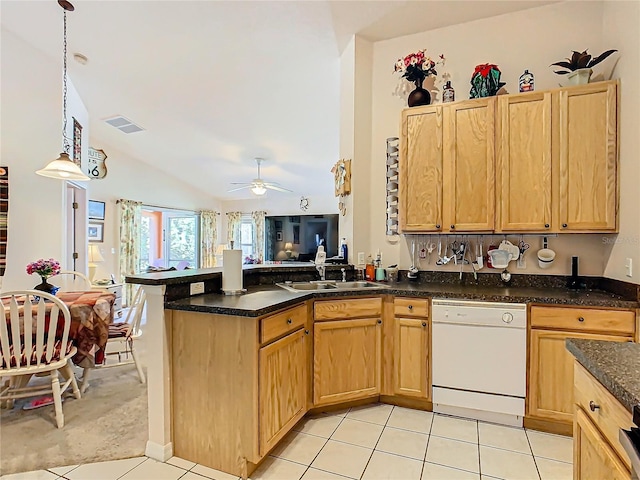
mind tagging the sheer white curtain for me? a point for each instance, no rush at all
(257, 219)
(129, 242)
(234, 220)
(208, 236)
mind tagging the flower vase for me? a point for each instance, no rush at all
(580, 76)
(419, 96)
(46, 287)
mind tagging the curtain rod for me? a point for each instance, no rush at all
(170, 208)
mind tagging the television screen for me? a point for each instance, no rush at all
(296, 237)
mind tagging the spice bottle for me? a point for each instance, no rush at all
(526, 82)
(448, 93)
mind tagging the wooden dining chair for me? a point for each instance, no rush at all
(31, 342)
(122, 337)
(71, 281)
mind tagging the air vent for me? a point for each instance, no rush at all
(123, 124)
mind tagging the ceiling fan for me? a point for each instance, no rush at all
(259, 186)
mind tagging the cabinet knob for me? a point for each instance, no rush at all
(453, 227)
(424, 324)
(289, 321)
(581, 319)
(379, 322)
(437, 225)
(546, 225)
(593, 406)
(564, 225)
(306, 332)
(410, 307)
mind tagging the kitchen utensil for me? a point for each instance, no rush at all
(499, 258)
(522, 246)
(413, 270)
(513, 250)
(546, 256)
(430, 248)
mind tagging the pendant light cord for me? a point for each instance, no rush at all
(65, 140)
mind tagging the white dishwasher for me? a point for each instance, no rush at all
(479, 355)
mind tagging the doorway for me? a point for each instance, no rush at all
(76, 228)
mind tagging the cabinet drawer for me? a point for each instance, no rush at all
(276, 325)
(589, 319)
(602, 408)
(413, 307)
(353, 308)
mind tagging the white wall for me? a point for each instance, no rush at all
(132, 179)
(31, 132)
(620, 30)
(530, 39)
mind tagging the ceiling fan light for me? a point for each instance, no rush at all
(63, 168)
(258, 190)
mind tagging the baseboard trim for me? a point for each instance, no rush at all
(159, 452)
(549, 426)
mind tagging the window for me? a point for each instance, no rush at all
(246, 236)
(168, 238)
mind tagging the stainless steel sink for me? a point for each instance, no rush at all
(358, 285)
(306, 286)
(329, 285)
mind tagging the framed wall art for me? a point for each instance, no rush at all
(96, 232)
(342, 177)
(96, 210)
(77, 143)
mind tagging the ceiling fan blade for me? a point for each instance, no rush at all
(239, 188)
(272, 186)
(241, 183)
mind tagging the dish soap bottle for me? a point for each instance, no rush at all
(344, 251)
(526, 82)
(448, 93)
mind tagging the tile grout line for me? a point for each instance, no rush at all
(424, 458)
(325, 443)
(479, 458)
(377, 441)
(532, 454)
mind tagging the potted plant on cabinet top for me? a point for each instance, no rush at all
(578, 67)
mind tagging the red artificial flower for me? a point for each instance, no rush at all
(485, 68)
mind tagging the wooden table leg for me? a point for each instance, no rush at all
(84, 383)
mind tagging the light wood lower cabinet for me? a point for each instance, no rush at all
(550, 395)
(346, 360)
(411, 357)
(283, 387)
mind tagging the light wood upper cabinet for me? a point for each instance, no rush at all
(420, 170)
(544, 161)
(587, 150)
(468, 179)
(523, 162)
(411, 357)
(346, 360)
(283, 387)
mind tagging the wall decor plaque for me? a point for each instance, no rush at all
(96, 163)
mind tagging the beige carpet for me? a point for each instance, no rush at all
(109, 422)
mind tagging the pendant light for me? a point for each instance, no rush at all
(62, 167)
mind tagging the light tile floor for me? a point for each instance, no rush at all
(369, 443)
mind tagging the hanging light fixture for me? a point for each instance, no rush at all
(62, 167)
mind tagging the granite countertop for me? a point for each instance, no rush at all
(616, 365)
(264, 299)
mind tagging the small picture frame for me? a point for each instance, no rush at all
(96, 210)
(278, 224)
(278, 236)
(296, 234)
(95, 232)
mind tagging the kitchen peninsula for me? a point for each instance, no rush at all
(230, 376)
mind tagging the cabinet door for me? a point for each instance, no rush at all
(283, 387)
(550, 393)
(346, 360)
(588, 156)
(593, 457)
(523, 167)
(421, 170)
(468, 176)
(411, 357)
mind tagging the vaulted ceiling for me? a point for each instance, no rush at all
(215, 84)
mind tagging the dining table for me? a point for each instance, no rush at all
(91, 314)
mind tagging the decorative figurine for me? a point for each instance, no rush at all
(448, 93)
(485, 81)
(525, 83)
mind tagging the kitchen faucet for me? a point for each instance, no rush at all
(321, 256)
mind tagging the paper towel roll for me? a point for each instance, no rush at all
(232, 271)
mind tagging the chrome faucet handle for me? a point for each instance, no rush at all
(344, 274)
